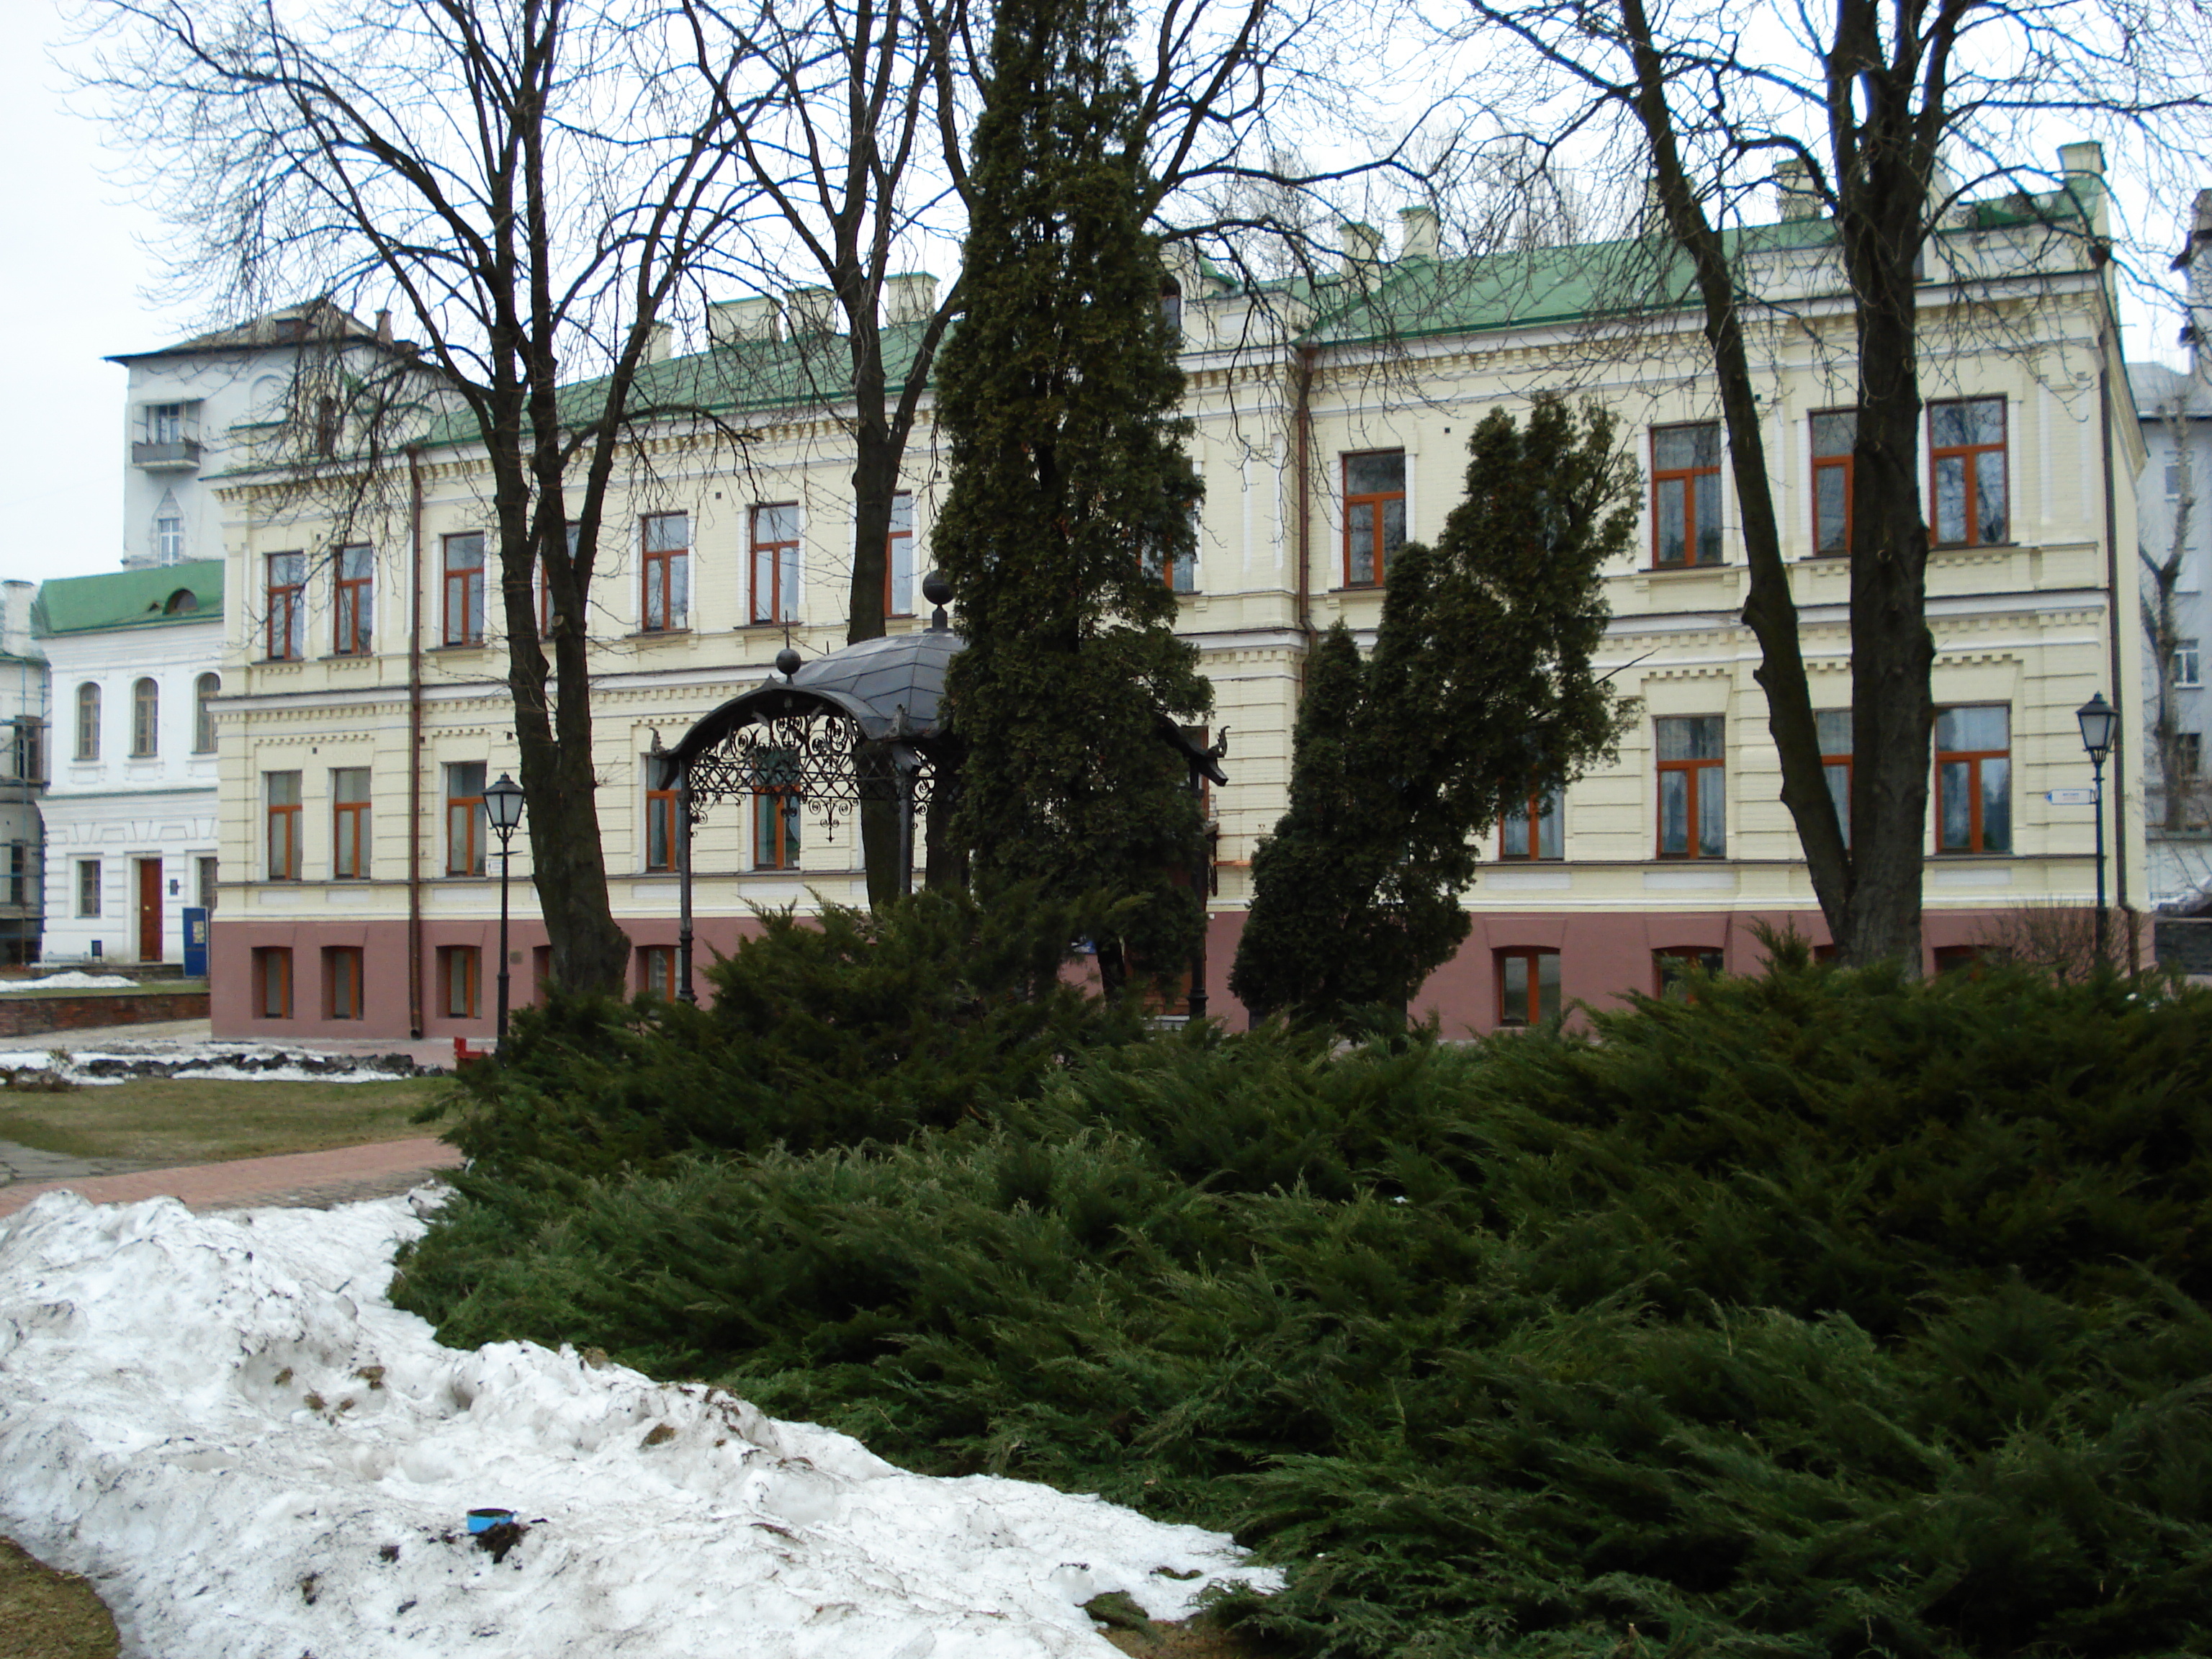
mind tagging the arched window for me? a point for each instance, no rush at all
(145, 718)
(169, 530)
(88, 721)
(203, 714)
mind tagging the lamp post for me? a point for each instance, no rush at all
(503, 806)
(2098, 721)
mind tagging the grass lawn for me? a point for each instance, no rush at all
(45, 1614)
(202, 1121)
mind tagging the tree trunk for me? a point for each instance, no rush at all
(1882, 226)
(1769, 610)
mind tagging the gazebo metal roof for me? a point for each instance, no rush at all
(889, 687)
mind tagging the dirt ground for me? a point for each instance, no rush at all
(1199, 1640)
(45, 1614)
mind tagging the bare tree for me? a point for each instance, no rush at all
(528, 185)
(2162, 630)
(1871, 109)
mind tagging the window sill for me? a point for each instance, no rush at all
(1935, 547)
(647, 634)
(1704, 569)
(461, 644)
(1360, 588)
(280, 662)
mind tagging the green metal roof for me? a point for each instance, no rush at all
(159, 597)
(1407, 299)
(1595, 281)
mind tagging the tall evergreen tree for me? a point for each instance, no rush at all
(1481, 692)
(1069, 493)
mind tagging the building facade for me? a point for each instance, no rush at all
(2175, 409)
(362, 893)
(131, 809)
(23, 721)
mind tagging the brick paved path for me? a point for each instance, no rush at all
(312, 1180)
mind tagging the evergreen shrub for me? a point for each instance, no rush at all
(1827, 1314)
(835, 1029)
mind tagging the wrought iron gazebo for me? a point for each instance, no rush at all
(858, 724)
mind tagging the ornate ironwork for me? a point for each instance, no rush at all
(818, 756)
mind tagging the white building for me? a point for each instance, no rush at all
(136, 656)
(217, 402)
(2175, 408)
(22, 775)
(130, 809)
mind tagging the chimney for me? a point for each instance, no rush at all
(2086, 157)
(1793, 185)
(659, 343)
(1416, 234)
(811, 310)
(2196, 258)
(15, 599)
(2082, 166)
(909, 297)
(1362, 252)
(731, 321)
(383, 328)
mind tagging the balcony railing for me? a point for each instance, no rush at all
(175, 454)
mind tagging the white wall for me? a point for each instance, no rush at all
(224, 396)
(122, 809)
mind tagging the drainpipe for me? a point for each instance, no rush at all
(2120, 700)
(414, 741)
(1302, 436)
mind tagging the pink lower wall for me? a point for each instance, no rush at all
(1602, 957)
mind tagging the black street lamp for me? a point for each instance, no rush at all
(503, 806)
(2099, 720)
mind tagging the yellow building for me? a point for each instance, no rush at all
(365, 706)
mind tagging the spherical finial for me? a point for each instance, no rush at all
(788, 662)
(936, 589)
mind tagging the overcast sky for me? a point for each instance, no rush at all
(71, 286)
(68, 288)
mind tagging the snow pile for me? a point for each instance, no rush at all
(222, 1421)
(69, 981)
(222, 1062)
